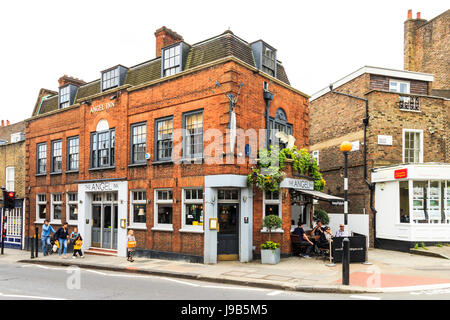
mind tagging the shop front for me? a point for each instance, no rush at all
(413, 205)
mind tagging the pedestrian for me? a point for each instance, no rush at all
(131, 245)
(45, 237)
(62, 235)
(74, 234)
(77, 243)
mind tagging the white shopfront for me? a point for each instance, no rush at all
(413, 203)
(102, 215)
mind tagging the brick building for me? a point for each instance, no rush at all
(109, 155)
(407, 128)
(427, 49)
(12, 178)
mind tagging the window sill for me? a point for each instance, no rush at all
(71, 171)
(162, 162)
(195, 160)
(40, 174)
(159, 228)
(132, 165)
(102, 168)
(72, 223)
(55, 173)
(137, 227)
(39, 222)
(55, 222)
(185, 230)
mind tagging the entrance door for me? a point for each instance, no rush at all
(228, 235)
(96, 225)
(104, 228)
(107, 227)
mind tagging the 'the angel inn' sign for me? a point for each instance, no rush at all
(102, 186)
(297, 184)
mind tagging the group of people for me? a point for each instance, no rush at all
(62, 236)
(60, 239)
(321, 237)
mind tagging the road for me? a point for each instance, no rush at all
(30, 282)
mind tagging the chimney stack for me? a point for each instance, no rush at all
(165, 37)
(3, 123)
(418, 15)
(410, 14)
(7, 122)
(65, 79)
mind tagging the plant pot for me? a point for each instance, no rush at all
(269, 256)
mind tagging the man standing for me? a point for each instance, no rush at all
(304, 240)
(45, 236)
(62, 235)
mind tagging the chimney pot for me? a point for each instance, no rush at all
(3, 123)
(410, 14)
(418, 15)
(165, 37)
(7, 122)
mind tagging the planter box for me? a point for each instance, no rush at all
(269, 256)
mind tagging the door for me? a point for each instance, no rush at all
(228, 235)
(13, 226)
(107, 227)
(96, 225)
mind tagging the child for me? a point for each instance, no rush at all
(78, 242)
(131, 245)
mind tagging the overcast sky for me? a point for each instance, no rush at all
(318, 42)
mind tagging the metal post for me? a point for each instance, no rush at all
(331, 264)
(3, 229)
(346, 262)
(36, 241)
(345, 188)
(32, 248)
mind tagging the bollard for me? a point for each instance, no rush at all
(346, 262)
(36, 242)
(32, 248)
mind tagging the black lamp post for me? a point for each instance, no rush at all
(345, 147)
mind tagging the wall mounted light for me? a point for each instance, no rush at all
(244, 198)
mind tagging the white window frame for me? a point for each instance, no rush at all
(68, 203)
(184, 226)
(161, 226)
(420, 131)
(8, 179)
(137, 225)
(315, 155)
(52, 211)
(39, 202)
(278, 202)
(397, 86)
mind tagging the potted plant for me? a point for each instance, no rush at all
(270, 251)
(321, 215)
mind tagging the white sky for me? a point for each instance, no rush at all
(317, 41)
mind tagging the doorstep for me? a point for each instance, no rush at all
(101, 252)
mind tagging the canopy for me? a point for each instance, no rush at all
(322, 196)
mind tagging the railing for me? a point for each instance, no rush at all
(409, 103)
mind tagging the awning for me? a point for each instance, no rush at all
(323, 196)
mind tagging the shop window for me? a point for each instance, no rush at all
(56, 208)
(163, 209)
(41, 207)
(404, 202)
(193, 209)
(434, 202)
(164, 132)
(446, 194)
(72, 207)
(138, 142)
(138, 208)
(420, 189)
(72, 153)
(41, 163)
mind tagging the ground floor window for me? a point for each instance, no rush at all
(41, 207)
(56, 212)
(193, 208)
(72, 207)
(272, 203)
(138, 208)
(163, 208)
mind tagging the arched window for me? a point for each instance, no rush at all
(279, 123)
(102, 145)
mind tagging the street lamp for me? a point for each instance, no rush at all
(345, 148)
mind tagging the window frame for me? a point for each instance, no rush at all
(185, 135)
(53, 203)
(161, 226)
(132, 143)
(175, 66)
(264, 67)
(69, 155)
(70, 202)
(111, 150)
(157, 121)
(282, 122)
(38, 159)
(62, 93)
(8, 179)
(133, 224)
(278, 202)
(40, 202)
(398, 83)
(420, 131)
(191, 228)
(115, 77)
(53, 156)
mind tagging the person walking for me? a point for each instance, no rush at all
(62, 235)
(77, 243)
(131, 245)
(45, 237)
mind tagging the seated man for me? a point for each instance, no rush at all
(341, 232)
(304, 240)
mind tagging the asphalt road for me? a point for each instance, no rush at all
(36, 282)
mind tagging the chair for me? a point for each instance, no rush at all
(297, 248)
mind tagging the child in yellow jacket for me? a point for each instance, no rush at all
(78, 242)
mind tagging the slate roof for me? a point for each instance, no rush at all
(224, 45)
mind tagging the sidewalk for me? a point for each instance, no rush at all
(390, 271)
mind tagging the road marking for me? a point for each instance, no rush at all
(274, 293)
(234, 288)
(182, 282)
(365, 297)
(431, 292)
(29, 297)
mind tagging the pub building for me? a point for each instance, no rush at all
(103, 155)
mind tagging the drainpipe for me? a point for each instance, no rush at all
(370, 185)
(268, 96)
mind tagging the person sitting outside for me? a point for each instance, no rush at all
(341, 232)
(304, 240)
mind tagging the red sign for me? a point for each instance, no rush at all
(401, 173)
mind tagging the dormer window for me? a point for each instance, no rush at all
(113, 78)
(172, 60)
(268, 61)
(64, 97)
(399, 86)
(265, 57)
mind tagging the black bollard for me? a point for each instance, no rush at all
(36, 242)
(32, 248)
(346, 262)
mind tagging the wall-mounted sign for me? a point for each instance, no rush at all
(102, 186)
(385, 140)
(401, 173)
(213, 224)
(301, 184)
(102, 107)
(123, 223)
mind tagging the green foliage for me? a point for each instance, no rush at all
(423, 246)
(416, 246)
(321, 215)
(439, 245)
(272, 222)
(270, 245)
